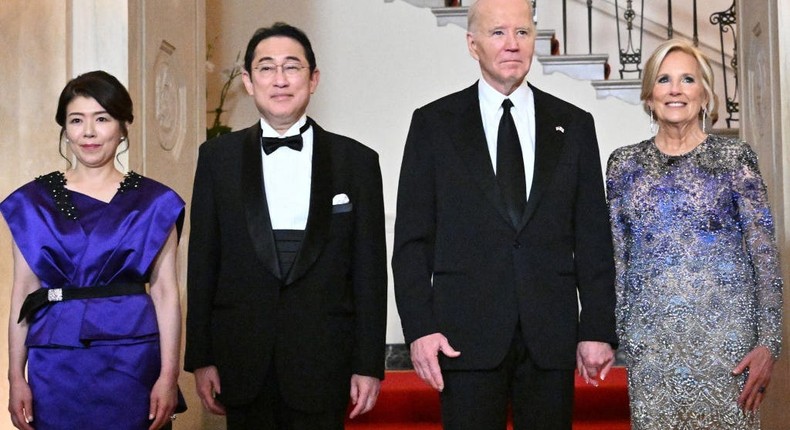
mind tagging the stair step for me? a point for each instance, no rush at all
(583, 67)
(597, 425)
(600, 425)
(354, 425)
(451, 15)
(543, 42)
(422, 3)
(405, 401)
(624, 89)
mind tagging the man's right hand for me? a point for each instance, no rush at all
(425, 358)
(208, 386)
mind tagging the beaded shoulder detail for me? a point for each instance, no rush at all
(55, 183)
(130, 182)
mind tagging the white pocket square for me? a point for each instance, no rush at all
(559, 128)
(339, 199)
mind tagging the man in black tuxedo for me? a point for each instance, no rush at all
(501, 224)
(287, 263)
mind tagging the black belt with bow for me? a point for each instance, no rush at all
(46, 296)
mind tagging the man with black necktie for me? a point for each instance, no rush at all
(501, 226)
(287, 278)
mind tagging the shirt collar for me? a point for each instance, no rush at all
(491, 99)
(269, 131)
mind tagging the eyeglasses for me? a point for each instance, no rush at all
(268, 70)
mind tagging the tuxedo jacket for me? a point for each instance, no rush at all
(463, 269)
(319, 323)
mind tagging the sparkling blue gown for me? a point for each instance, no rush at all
(92, 362)
(698, 279)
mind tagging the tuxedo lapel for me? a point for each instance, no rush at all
(548, 147)
(253, 192)
(470, 142)
(320, 212)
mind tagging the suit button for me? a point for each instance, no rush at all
(516, 245)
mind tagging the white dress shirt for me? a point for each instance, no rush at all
(523, 112)
(287, 175)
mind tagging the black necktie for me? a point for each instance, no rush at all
(510, 165)
(271, 144)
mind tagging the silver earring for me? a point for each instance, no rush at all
(704, 119)
(653, 127)
(123, 138)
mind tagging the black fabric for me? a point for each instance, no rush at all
(480, 399)
(181, 406)
(269, 411)
(288, 243)
(40, 298)
(322, 321)
(460, 268)
(510, 165)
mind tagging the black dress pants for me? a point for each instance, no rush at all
(481, 399)
(270, 412)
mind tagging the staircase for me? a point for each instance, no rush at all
(590, 67)
(407, 403)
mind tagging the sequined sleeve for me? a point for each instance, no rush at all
(614, 193)
(756, 222)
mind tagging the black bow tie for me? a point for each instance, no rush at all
(271, 144)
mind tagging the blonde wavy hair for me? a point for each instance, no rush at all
(654, 63)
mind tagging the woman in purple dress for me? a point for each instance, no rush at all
(101, 352)
(699, 290)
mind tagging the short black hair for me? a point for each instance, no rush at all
(279, 29)
(102, 87)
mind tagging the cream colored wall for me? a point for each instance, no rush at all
(33, 69)
(32, 73)
(99, 37)
(776, 414)
(764, 60)
(166, 80)
(379, 61)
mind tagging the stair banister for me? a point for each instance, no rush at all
(726, 21)
(630, 56)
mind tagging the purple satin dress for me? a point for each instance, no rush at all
(92, 362)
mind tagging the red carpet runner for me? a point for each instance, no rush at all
(407, 403)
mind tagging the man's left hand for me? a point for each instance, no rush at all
(594, 360)
(364, 393)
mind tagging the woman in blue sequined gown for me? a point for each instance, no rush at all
(699, 292)
(105, 354)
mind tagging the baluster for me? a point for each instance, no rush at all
(535, 11)
(565, 26)
(670, 30)
(696, 33)
(630, 56)
(589, 26)
(726, 21)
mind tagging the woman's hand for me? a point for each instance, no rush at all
(164, 398)
(20, 404)
(164, 294)
(760, 364)
(20, 399)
